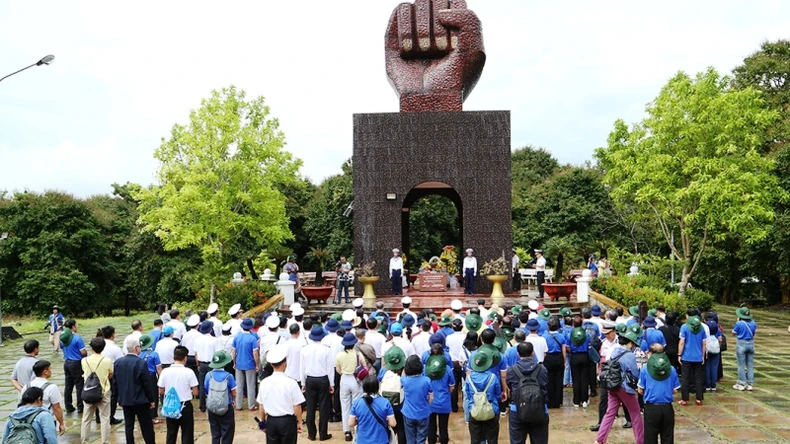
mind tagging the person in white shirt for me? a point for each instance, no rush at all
(137, 331)
(456, 306)
(112, 352)
(470, 271)
(455, 345)
(280, 400)
(235, 319)
(271, 339)
(375, 340)
(540, 267)
(188, 341)
(398, 341)
(186, 385)
(481, 306)
(421, 340)
(514, 262)
(317, 376)
(205, 346)
(539, 344)
(166, 346)
(295, 345)
(212, 310)
(396, 272)
(42, 371)
(226, 340)
(179, 329)
(406, 303)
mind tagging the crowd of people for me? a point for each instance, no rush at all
(386, 379)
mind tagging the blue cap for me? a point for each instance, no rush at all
(649, 322)
(349, 340)
(346, 325)
(533, 325)
(169, 330)
(317, 333)
(396, 328)
(408, 320)
(332, 325)
(437, 338)
(595, 310)
(247, 324)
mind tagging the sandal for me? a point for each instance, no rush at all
(683, 403)
(254, 409)
(158, 421)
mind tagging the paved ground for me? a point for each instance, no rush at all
(727, 416)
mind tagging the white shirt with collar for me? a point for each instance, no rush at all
(540, 264)
(217, 326)
(111, 351)
(334, 342)
(396, 263)
(278, 394)
(189, 339)
(400, 342)
(375, 340)
(539, 345)
(455, 342)
(165, 348)
(514, 261)
(51, 394)
(134, 335)
(205, 347)
(316, 360)
(295, 346)
(607, 347)
(421, 343)
(179, 328)
(470, 262)
(235, 326)
(180, 377)
(268, 341)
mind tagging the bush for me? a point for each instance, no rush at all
(699, 299)
(628, 292)
(651, 281)
(249, 295)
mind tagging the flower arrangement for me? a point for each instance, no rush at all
(450, 259)
(498, 266)
(367, 270)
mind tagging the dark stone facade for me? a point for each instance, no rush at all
(394, 153)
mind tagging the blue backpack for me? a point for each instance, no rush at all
(171, 406)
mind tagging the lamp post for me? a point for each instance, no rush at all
(44, 61)
(3, 238)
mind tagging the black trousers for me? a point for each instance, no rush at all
(202, 371)
(281, 429)
(469, 281)
(538, 433)
(459, 376)
(337, 410)
(442, 420)
(397, 282)
(555, 367)
(113, 399)
(74, 379)
(541, 280)
(659, 421)
(487, 431)
(400, 428)
(593, 377)
(697, 370)
(154, 381)
(186, 423)
(192, 364)
(580, 373)
(604, 404)
(517, 281)
(143, 414)
(317, 397)
(223, 427)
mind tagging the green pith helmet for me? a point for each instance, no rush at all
(578, 336)
(435, 366)
(659, 367)
(394, 358)
(694, 324)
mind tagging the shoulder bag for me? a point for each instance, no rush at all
(390, 433)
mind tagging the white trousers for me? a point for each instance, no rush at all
(350, 391)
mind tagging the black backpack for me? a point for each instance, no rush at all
(611, 376)
(530, 406)
(595, 339)
(92, 391)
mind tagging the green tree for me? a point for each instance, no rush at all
(694, 164)
(325, 224)
(219, 179)
(433, 224)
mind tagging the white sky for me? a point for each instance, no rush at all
(126, 72)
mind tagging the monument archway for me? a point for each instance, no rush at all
(415, 195)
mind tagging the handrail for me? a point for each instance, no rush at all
(271, 304)
(611, 303)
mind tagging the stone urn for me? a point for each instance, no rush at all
(497, 280)
(368, 281)
(557, 291)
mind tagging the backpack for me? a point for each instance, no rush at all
(92, 391)
(530, 407)
(22, 431)
(264, 363)
(611, 376)
(592, 333)
(361, 371)
(217, 398)
(171, 406)
(392, 390)
(482, 410)
(713, 345)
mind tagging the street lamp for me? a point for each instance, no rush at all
(44, 61)
(3, 238)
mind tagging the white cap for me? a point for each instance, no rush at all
(294, 306)
(405, 300)
(273, 321)
(395, 250)
(533, 305)
(349, 315)
(193, 321)
(212, 308)
(234, 309)
(297, 311)
(358, 302)
(277, 353)
(226, 326)
(533, 315)
(469, 250)
(456, 305)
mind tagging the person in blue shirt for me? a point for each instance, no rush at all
(567, 327)
(157, 334)
(713, 357)
(436, 338)
(691, 352)
(417, 395)
(482, 380)
(246, 357)
(538, 432)
(594, 333)
(626, 394)
(543, 321)
(579, 345)
(154, 365)
(745, 329)
(393, 362)
(371, 414)
(511, 355)
(73, 351)
(30, 409)
(55, 324)
(651, 336)
(446, 326)
(658, 381)
(223, 427)
(438, 369)
(498, 367)
(554, 361)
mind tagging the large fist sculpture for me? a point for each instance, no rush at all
(434, 54)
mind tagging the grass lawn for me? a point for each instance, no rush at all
(34, 325)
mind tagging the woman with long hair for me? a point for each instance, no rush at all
(346, 364)
(371, 414)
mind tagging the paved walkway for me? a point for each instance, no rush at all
(727, 416)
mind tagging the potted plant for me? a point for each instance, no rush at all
(368, 276)
(495, 271)
(317, 291)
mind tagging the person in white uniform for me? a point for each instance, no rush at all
(470, 271)
(540, 266)
(235, 319)
(212, 311)
(514, 263)
(396, 272)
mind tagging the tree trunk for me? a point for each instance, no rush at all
(784, 284)
(684, 280)
(213, 292)
(558, 272)
(253, 274)
(319, 276)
